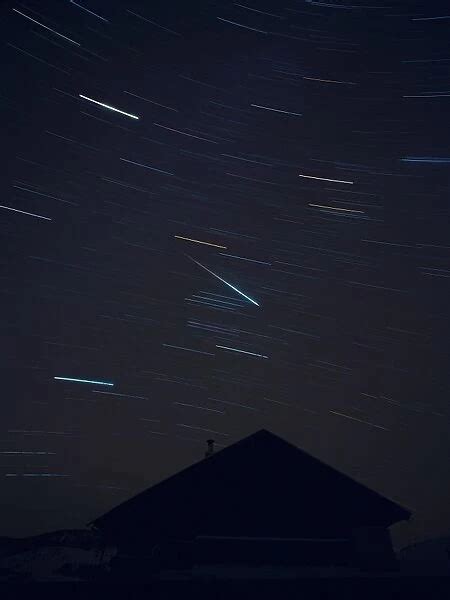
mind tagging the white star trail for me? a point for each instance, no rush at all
(199, 407)
(335, 208)
(89, 11)
(242, 351)
(329, 81)
(180, 237)
(151, 101)
(45, 27)
(260, 262)
(187, 349)
(240, 25)
(325, 179)
(108, 106)
(286, 112)
(358, 420)
(146, 166)
(184, 133)
(25, 213)
(233, 404)
(83, 381)
(202, 429)
(117, 394)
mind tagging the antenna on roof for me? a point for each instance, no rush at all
(210, 449)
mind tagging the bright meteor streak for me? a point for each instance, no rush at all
(180, 237)
(83, 380)
(223, 281)
(108, 106)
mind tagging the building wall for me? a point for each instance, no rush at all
(373, 549)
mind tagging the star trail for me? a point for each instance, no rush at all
(108, 107)
(83, 381)
(220, 217)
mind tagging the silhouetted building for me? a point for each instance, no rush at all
(258, 501)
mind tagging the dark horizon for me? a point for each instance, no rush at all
(221, 217)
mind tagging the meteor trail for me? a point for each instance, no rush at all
(223, 281)
(83, 380)
(108, 106)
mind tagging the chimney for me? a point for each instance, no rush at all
(210, 449)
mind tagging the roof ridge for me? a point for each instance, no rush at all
(246, 442)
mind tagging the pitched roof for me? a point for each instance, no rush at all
(261, 483)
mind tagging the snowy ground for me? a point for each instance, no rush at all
(59, 559)
(58, 562)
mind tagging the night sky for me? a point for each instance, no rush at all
(237, 214)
